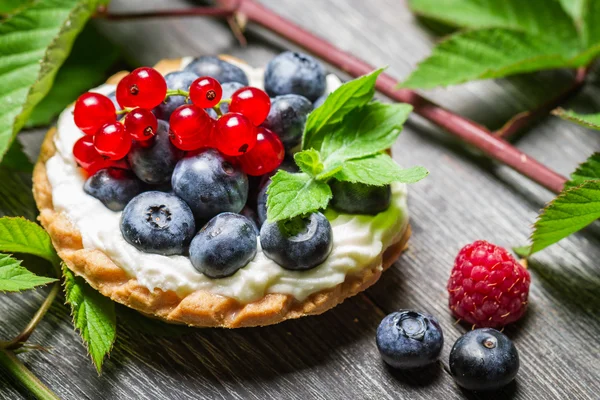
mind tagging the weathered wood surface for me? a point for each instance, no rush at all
(465, 198)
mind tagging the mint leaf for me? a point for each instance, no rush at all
(290, 195)
(368, 130)
(571, 211)
(588, 171)
(309, 161)
(588, 120)
(575, 8)
(531, 16)
(93, 315)
(352, 94)
(378, 170)
(14, 277)
(82, 70)
(590, 17)
(489, 53)
(522, 251)
(34, 42)
(19, 235)
(16, 159)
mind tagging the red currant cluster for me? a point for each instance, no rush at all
(237, 133)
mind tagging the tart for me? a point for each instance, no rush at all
(87, 235)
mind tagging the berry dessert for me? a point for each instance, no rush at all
(484, 359)
(409, 339)
(488, 287)
(210, 193)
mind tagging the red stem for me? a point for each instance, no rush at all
(467, 130)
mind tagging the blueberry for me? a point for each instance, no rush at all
(409, 339)
(261, 203)
(153, 161)
(216, 68)
(319, 102)
(484, 359)
(175, 80)
(358, 198)
(210, 184)
(295, 73)
(300, 243)
(113, 187)
(287, 118)
(157, 222)
(224, 245)
(252, 217)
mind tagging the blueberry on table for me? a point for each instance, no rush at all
(216, 68)
(224, 245)
(158, 222)
(359, 198)
(484, 359)
(175, 80)
(295, 73)
(154, 160)
(113, 187)
(299, 243)
(287, 118)
(409, 339)
(210, 184)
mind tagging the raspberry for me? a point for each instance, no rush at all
(488, 287)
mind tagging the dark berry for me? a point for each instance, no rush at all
(295, 73)
(113, 187)
(178, 80)
(409, 339)
(92, 111)
(153, 160)
(112, 142)
(144, 87)
(266, 155)
(224, 245)
(235, 134)
(359, 198)
(287, 118)
(210, 184)
(221, 70)
(299, 243)
(484, 359)
(261, 203)
(157, 222)
(205, 92)
(251, 215)
(251, 102)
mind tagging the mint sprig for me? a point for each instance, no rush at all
(344, 139)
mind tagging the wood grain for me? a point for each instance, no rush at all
(465, 198)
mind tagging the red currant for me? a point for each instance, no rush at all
(112, 141)
(144, 87)
(190, 126)
(205, 92)
(252, 102)
(235, 134)
(92, 110)
(106, 163)
(85, 153)
(141, 124)
(265, 156)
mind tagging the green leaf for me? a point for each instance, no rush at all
(574, 209)
(588, 171)
(522, 251)
(14, 277)
(531, 16)
(490, 53)
(19, 235)
(309, 161)
(16, 159)
(378, 170)
(575, 8)
(82, 70)
(290, 195)
(8, 7)
(366, 131)
(587, 120)
(591, 22)
(93, 315)
(352, 94)
(34, 42)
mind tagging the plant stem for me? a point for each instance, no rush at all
(459, 126)
(25, 333)
(19, 372)
(523, 120)
(177, 92)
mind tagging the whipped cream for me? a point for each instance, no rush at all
(358, 240)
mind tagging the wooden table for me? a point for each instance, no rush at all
(333, 356)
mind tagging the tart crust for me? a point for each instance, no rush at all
(200, 308)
